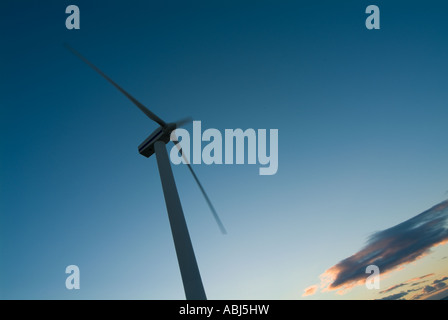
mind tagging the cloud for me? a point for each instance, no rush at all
(437, 286)
(440, 280)
(398, 296)
(310, 291)
(419, 278)
(412, 282)
(428, 289)
(390, 249)
(395, 296)
(393, 287)
(439, 283)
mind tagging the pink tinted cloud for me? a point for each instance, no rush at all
(310, 291)
(390, 249)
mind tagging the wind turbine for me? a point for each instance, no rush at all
(155, 143)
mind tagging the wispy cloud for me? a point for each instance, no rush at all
(423, 291)
(399, 295)
(443, 279)
(440, 284)
(310, 291)
(436, 286)
(390, 249)
(413, 281)
(395, 296)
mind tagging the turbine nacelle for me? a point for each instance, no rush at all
(146, 148)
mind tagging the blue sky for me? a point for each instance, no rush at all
(362, 142)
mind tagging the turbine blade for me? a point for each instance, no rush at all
(212, 208)
(210, 205)
(183, 122)
(145, 110)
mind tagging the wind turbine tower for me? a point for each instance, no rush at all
(156, 143)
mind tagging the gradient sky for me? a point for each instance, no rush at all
(362, 119)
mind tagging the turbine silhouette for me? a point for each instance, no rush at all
(155, 143)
